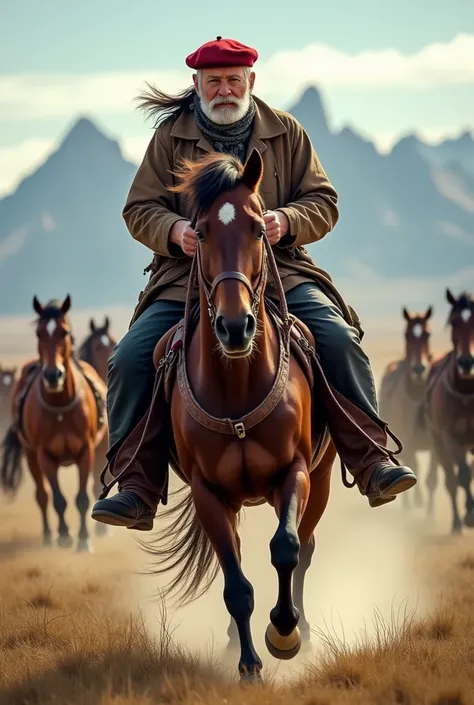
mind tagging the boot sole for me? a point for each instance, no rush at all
(390, 492)
(114, 520)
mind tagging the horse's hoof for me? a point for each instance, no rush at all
(253, 676)
(282, 647)
(84, 546)
(47, 542)
(469, 520)
(456, 531)
(65, 541)
(102, 530)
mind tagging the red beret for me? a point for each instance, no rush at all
(222, 52)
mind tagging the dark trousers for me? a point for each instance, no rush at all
(131, 371)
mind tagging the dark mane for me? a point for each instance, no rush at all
(465, 301)
(51, 310)
(163, 107)
(203, 181)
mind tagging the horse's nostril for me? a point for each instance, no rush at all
(221, 329)
(251, 325)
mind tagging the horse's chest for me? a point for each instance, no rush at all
(62, 436)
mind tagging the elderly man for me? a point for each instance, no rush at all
(221, 113)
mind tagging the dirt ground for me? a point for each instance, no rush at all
(390, 596)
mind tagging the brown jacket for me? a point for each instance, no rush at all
(293, 181)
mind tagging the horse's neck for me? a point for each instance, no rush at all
(237, 385)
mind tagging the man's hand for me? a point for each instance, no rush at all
(183, 235)
(277, 226)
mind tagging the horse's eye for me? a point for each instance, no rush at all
(261, 233)
(199, 236)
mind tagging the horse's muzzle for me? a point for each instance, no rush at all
(53, 379)
(419, 372)
(236, 334)
(465, 365)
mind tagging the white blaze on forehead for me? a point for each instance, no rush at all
(417, 330)
(104, 339)
(7, 380)
(227, 213)
(51, 326)
(466, 314)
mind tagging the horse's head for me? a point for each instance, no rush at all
(417, 336)
(7, 378)
(54, 341)
(461, 320)
(102, 344)
(230, 253)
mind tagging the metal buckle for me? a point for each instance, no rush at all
(239, 428)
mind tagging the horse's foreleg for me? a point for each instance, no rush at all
(432, 481)
(282, 637)
(41, 494)
(464, 479)
(219, 523)
(320, 480)
(85, 463)
(448, 463)
(50, 469)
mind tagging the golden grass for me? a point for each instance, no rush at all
(65, 638)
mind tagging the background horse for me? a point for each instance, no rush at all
(58, 420)
(401, 397)
(234, 361)
(7, 381)
(450, 405)
(98, 347)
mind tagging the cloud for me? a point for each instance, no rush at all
(281, 77)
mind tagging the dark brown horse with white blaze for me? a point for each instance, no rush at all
(450, 405)
(58, 420)
(234, 361)
(98, 346)
(401, 398)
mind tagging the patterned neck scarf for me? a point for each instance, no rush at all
(230, 139)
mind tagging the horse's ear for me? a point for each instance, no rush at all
(37, 306)
(406, 315)
(106, 323)
(429, 313)
(66, 305)
(253, 170)
(450, 298)
(92, 325)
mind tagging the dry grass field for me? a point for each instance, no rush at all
(390, 596)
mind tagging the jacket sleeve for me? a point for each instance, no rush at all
(313, 210)
(150, 210)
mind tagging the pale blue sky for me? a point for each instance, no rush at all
(50, 51)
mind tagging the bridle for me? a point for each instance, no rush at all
(209, 288)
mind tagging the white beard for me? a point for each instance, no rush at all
(225, 116)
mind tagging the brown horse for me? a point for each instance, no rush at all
(7, 381)
(401, 397)
(58, 408)
(450, 405)
(98, 347)
(237, 365)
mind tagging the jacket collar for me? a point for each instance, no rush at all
(267, 125)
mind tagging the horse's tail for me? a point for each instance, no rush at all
(183, 546)
(11, 466)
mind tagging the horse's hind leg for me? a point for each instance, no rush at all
(219, 523)
(41, 494)
(447, 461)
(282, 638)
(85, 463)
(464, 479)
(320, 480)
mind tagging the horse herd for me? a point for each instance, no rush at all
(244, 434)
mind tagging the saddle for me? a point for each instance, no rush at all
(32, 373)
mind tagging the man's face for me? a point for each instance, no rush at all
(224, 93)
